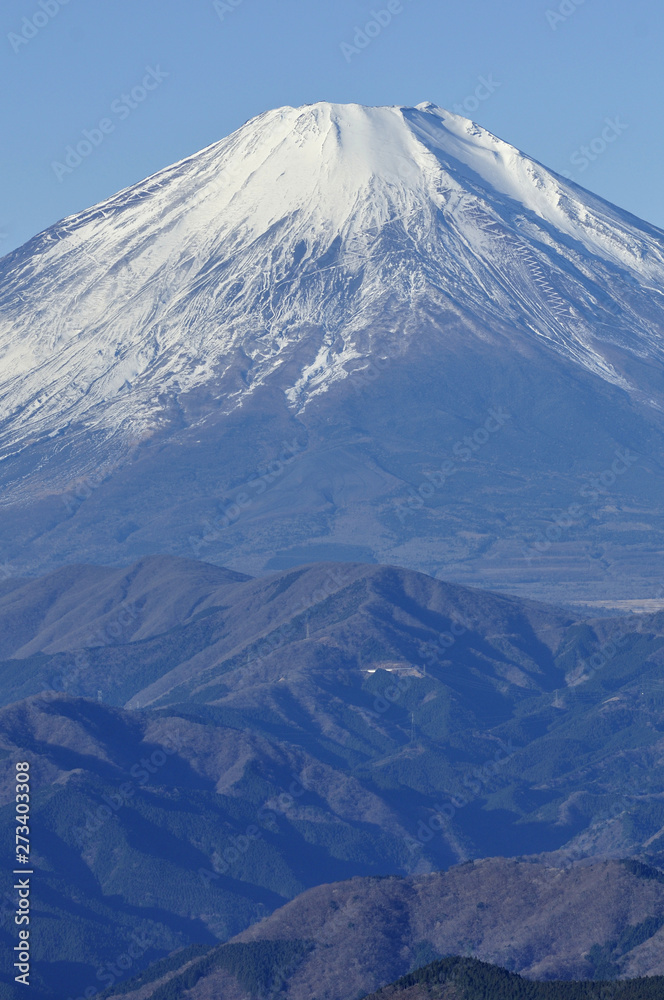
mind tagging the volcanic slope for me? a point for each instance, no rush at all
(342, 332)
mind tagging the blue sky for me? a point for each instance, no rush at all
(545, 76)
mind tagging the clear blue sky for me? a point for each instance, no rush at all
(555, 79)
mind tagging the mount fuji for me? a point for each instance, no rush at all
(342, 333)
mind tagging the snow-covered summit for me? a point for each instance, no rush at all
(300, 246)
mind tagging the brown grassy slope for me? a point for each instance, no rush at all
(536, 919)
(540, 921)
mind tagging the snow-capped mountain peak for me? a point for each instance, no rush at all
(294, 250)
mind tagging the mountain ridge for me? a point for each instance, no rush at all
(240, 740)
